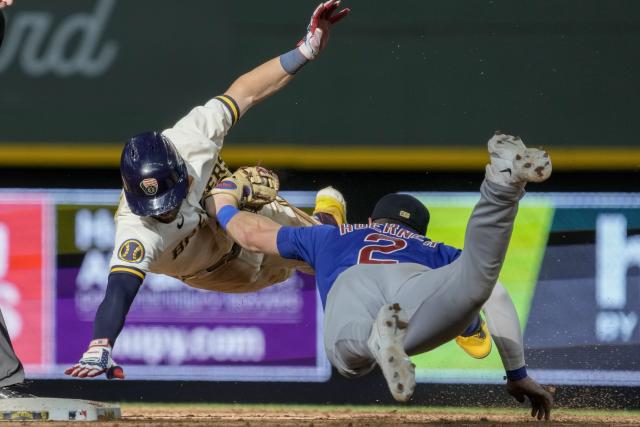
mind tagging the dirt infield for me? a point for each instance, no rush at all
(318, 416)
(358, 417)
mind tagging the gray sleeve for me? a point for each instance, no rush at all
(504, 326)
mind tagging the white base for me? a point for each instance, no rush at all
(54, 409)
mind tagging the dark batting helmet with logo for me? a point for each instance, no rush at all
(154, 176)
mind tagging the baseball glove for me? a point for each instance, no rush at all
(252, 186)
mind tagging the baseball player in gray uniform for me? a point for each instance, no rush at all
(390, 292)
(164, 221)
(11, 371)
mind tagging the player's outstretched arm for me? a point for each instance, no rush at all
(504, 326)
(268, 78)
(122, 289)
(251, 231)
(5, 3)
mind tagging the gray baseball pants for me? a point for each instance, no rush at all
(11, 371)
(440, 302)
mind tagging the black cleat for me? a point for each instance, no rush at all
(15, 391)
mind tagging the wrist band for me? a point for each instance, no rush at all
(292, 61)
(225, 214)
(517, 374)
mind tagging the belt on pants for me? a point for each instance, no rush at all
(229, 256)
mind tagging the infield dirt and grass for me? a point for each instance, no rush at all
(186, 415)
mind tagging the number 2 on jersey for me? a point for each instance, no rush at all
(382, 245)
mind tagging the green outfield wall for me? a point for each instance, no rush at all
(406, 84)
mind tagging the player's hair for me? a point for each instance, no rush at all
(393, 221)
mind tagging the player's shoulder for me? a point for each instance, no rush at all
(324, 229)
(189, 142)
(135, 245)
(130, 226)
(358, 229)
(307, 234)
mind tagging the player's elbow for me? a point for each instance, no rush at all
(247, 237)
(258, 242)
(261, 240)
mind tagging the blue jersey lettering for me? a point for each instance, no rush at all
(331, 250)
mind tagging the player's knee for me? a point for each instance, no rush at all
(499, 295)
(478, 295)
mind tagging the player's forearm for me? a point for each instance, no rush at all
(251, 231)
(265, 80)
(254, 232)
(112, 312)
(258, 84)
(504, 326)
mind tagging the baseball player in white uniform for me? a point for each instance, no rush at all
(165, 224)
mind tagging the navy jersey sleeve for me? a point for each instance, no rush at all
(304, 243)
(122, 288)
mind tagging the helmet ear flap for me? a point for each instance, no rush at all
(154, 175)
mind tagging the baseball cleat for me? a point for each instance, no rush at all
(386, 344)
(15, 391)
(512, 163)
(477, 345)
(330, 202)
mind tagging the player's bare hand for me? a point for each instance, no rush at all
(96, 361)
(541, 399)
(323, 18)
(5, 3)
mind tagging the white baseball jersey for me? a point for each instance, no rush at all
(191, 246)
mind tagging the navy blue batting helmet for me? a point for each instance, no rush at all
(154, 175)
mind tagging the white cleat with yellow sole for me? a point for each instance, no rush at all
(331, 202)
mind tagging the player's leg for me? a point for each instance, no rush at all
(350, 310)
(475, 340)
(504, 324)
(11, 371)
(362, 326)
(330, 207)
(452, 296)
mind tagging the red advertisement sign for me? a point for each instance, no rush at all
(23, 259)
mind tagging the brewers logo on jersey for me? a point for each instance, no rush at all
(131, 251)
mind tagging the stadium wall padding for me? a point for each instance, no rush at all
(420, 75)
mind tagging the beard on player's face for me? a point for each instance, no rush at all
(172, 214)
(168, 216)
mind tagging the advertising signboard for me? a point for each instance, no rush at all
(572, 270)
(24, 275)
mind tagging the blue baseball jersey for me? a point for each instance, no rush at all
(331, 250)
